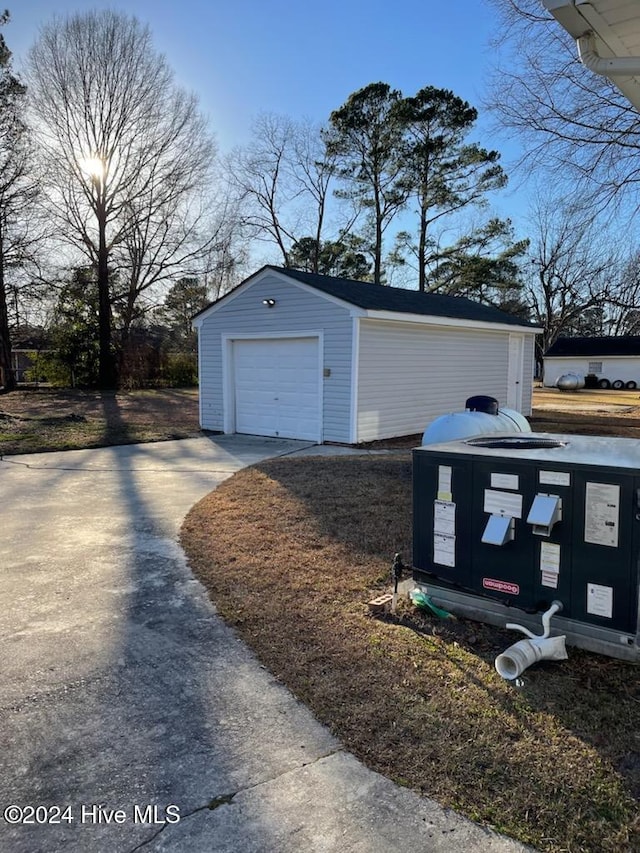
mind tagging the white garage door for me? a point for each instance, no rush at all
(277, 390)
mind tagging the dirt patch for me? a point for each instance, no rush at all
(33, 421)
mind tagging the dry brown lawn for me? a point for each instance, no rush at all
(36, 420)
(291, 551)
(587, 412)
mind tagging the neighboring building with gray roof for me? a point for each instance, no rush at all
(609, 362)
(294, 354)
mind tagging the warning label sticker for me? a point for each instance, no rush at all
(501, 586)
(600, 600)
(444, 550)
(602, 514)
(503, 503)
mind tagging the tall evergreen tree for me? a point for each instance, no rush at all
(184, 299)
(444, 172)
(343, 258)
(366, 137)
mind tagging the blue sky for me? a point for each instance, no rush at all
(243, 57)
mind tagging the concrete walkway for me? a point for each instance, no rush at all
(128, 706)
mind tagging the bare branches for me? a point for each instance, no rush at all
(575, 124)
(261, 178)
(124, 152)
(281, 181)
(112, 98)
(575, 274)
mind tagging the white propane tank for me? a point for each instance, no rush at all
(570, 382)
(481, 417)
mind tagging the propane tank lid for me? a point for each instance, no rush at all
(482, 403)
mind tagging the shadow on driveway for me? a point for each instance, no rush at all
(122, 694)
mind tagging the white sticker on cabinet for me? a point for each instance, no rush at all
(444, 518)
(550, 558)
(444, 550)
(601, 514)
(503, 503)
(600, 600)
(505, 481)
(554, 478)
(444, 483)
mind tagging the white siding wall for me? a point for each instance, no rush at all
(411, 374)
(295, 310)
(626, 368)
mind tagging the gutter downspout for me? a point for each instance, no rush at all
(627, 66)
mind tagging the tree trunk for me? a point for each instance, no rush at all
(377, 268)
(7, 374)
(422, 253)
(107, 368)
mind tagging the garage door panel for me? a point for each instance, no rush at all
(300, 375)
(277, 387)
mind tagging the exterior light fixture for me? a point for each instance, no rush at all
(269, 302)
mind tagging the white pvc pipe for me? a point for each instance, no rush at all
(513, 662)
(511, 626)
(546, 617)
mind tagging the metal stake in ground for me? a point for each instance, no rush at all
(396, 576)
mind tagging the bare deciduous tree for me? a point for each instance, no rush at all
(623, 312)
(314, 168)
(281, 180)
(571, 120)
(124, 153)
(573, 273)
(261, 179)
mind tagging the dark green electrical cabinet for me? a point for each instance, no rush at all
(530, 519)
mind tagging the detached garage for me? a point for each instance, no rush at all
(297, 355)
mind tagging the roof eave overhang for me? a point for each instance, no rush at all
(355, 310)
(280, 276)
(599, 48)
(568, 13)
(433, 320)
(594, 355)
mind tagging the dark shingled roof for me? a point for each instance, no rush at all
(627, 345)
(380, 297)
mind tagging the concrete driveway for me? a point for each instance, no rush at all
(131, 713)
